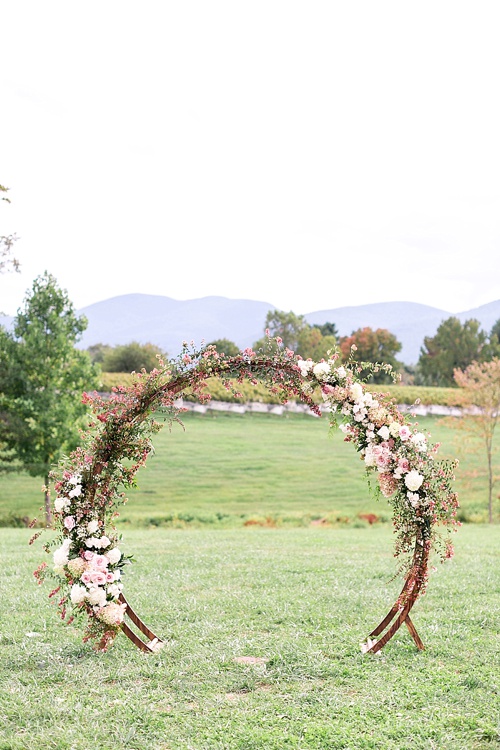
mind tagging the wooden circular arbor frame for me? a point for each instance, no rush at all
(165, 394)
(117, 444)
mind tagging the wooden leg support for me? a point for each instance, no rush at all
(153, 645)
(409, 594)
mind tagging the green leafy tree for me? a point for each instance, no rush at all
(132, 357)
(378, 346)
(296, 334)
(229, 348)
(312, 344)
(97, 352)
(43, 376)
(327, 329)
(287, 325)
(454, 346)
(495, 339)
(480, 383)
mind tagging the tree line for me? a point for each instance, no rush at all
(455, 345)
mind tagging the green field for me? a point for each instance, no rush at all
(297, 602)
(228, 469)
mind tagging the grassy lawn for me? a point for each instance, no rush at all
(227, 469)
(298, 601)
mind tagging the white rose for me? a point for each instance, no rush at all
(114, 555)
(104, 542)
(97, 597)
(369, 456)
(419, 441)
(384, 433)
(76, 491)
(321, 370)
(356, 391)
(341, 372)
(92, 527)
(93, 542)
(75, 479)
(414, 499)
(413, 480)
(78, 593)
(113, 590)
(61, 555)
(305, 366)
(61, 503)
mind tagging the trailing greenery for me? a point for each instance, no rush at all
(262, 631)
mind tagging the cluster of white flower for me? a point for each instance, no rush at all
(88, 561)
(388, 446)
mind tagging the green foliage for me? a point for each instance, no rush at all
(495, 338)
(454, 346)
(327, 329)
(376, 346)
(97, 352)
(132, 357)
(285, 325)
(43, 376)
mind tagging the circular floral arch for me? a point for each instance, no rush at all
(90, 483)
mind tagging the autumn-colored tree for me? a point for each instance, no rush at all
(480, 383)
(378, 346)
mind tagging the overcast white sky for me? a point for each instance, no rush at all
(307, 154)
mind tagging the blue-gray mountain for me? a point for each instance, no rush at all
(167, 322)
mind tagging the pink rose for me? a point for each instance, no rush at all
(100, 561)
(69, 522)
(86, 577)
(98, 577)
(110, 577)
(403, 465)
(404, 432)
(88, 555)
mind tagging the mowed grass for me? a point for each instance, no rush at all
(228, 469)
(297, 603)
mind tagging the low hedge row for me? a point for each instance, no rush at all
(402, 394)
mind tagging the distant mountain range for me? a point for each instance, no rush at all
(168, 322)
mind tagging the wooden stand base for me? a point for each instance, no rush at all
(153, 645)
(400, 612)
(409, 595)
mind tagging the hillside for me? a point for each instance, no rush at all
(167, 322)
